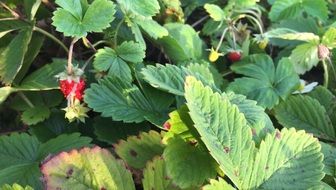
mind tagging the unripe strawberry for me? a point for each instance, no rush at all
(234, 56)
(166, 125)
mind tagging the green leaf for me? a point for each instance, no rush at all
(284, 9)
(43, 78)
(111, 131)
(35, 115)
(152, 28)
(329, 38)
(187, 165)
(155, 176)
(146, 8)
(34, 48)
(304, 112)
(171, 78)
(11, 58)
(305, 57)
(31, 7)
(71, 20)
(215, 12)
(20, 155)
(222, 127)
(15, 187)
(107, 60)
(4, 93)
(136, 151)
(301, 36)
(182, 44)
(218, 185)
(9, 25)
(131, 52)
(264, 83)
(122, 101)
(329, 158)
(280, 158)
(94, 168)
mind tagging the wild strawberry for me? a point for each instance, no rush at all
(166, 125)
(70, 86)
(214, 55)
(234, 56)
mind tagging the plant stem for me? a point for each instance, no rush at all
(40, 30)
(69, 68)
(256, 22)
(199, 21)
(16, 15)
(221, 39)
(326, 74)
(117, 31)
(25, 98)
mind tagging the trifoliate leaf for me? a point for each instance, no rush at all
(265, 83)
(35, 115)
(107, 60)
(136, 151)
(187, 165)
(304, 112)
(216, 13)
(87, 168)
(73, 21)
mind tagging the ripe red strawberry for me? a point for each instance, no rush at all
(234, 56)
(69, 86)
(166, 125)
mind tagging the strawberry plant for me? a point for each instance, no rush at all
(167, 94)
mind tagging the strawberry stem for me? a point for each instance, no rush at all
(326, 74)
(25, 98)
(221, 39)
(40, 30)
(69, 69)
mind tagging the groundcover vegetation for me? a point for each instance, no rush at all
(167, 94)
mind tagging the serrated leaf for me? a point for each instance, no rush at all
(329, 38)
(171, 78)
(304, 112)
(215, 12)
(35, 115)
(136, 151)
(265, 83)
(280, 158)
(218, 185)
(122, 101)
(71, 20)
(146, 8)
(182, 44)
(152, 28)
(107, 60)
(43, 78)
(329, 158)
(283, 9)
(187, 165)
(15, 187)
(11, 58)
(155, 176)
(305, 57)
(222, 128)
(131, 52)
(94, 168)
(20, 155)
